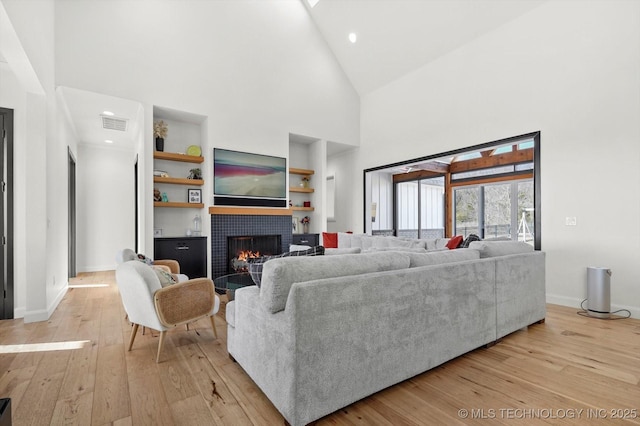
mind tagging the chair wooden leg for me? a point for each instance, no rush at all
(134, 331)
(213, 325)
(163, 333)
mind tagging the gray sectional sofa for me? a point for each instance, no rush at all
(324, 332)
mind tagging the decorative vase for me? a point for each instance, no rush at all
(159, 144)
(305, 228)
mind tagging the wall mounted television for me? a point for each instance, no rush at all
(247, 179)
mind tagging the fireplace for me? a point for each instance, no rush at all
(228, 222)
(241, 248)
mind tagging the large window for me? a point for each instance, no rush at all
(492, 190)
(498, 211)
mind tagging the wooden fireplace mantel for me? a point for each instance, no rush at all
(256, 211)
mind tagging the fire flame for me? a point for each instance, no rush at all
(247, 254)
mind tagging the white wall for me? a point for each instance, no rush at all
(257, 70)
(27, 43)
(574, 74)
(13, 96)
(105, 196)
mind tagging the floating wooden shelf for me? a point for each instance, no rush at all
(300, 189)
(178, 181)
(259, 211)
(174, 156)
(179, 205)
(304, 172)
(302, 209)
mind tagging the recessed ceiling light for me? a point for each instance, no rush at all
(108, 141)
(109, 113)
(353, 37)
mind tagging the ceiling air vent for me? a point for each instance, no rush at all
(114, 123)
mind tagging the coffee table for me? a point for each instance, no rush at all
(228, 284)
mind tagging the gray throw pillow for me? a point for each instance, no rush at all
(256, 264)
(165, 278)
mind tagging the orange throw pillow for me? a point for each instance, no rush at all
(454, 242)
(330, 239)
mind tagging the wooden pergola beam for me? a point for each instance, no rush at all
(520, 156)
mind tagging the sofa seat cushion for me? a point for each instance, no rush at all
(280, 274)
(441, 257)
(500, 248)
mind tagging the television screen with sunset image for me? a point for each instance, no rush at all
(247, 175)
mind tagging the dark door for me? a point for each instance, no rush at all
(135, 203)
(6, 212)
(72, 215)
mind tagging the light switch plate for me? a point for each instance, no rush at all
(571, 221)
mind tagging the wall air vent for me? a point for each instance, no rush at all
(114, 123)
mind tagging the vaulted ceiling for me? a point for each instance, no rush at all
(396, 37)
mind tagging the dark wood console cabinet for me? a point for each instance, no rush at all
(306, 239)
(190, 252)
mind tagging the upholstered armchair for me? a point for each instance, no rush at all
(149, 304)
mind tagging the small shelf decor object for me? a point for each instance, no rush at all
(305, 224)
(195, 196)
(195, 174)
(160, 130)
(194, 150)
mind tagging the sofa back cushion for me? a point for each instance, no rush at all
(500, 248)
(278, 275)
(403, 249)
(350, 250)
(368, 242)
(439, 257)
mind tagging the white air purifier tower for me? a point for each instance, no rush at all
(599, 292)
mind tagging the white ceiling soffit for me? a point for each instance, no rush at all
(395, 37)
(333, 148)
(93, 127)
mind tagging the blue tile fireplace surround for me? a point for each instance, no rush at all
(244, 225)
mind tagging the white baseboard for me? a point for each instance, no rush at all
(42, 314)
(19, 312)
(109, 267)
(575, 303)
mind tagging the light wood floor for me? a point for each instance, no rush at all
(541, 375)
